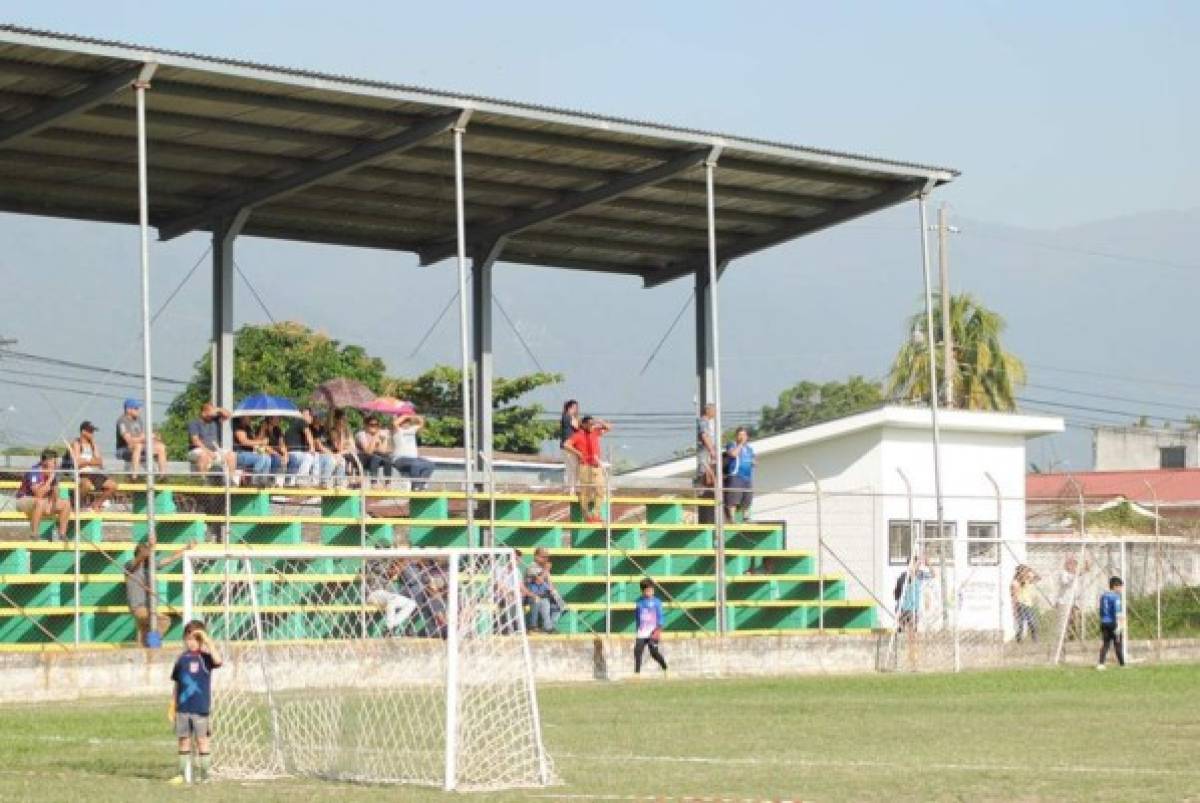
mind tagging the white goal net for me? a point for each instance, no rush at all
(370, 665)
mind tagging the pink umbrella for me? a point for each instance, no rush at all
(389, 405)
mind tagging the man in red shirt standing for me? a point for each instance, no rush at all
(585, 444)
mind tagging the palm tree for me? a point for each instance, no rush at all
(985, 376)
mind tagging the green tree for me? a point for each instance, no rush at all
(290, 360)
(808, 403)
(515, 428)
(985, 377)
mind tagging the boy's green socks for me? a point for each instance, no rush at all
(204, 762)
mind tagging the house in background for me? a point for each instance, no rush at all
(1144, 448)
(875, 471)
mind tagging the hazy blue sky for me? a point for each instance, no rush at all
(1059, 115)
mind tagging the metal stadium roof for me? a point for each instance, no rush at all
(330, 159)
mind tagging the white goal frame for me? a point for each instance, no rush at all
(240, 559)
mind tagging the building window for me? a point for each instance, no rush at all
(937, 549)
(1172, 457)
(900, 541)
(982, 547)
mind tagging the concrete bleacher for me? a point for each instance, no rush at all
(46, 586)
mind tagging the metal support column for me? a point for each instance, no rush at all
(224, 236)
(153, 638)
(704, 343)
(482, 265)
(714, 344)
(464, 321)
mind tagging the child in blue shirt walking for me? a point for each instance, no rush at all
(1111, 617)
(648, 614)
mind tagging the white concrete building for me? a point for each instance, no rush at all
(875, 472)
(1144, 448)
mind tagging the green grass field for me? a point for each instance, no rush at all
(1067, 734)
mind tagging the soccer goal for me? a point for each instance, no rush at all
(370, 665)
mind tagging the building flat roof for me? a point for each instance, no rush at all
(894, 417)
(332, 159)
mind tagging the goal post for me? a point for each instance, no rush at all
(370, 665)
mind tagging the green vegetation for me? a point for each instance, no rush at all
(1066, 734)
(985, 375)
(807, 403)
(290, 360)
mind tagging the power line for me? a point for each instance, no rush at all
(20, 355)
(1185, 408)
(1117, 377)
(1162, 263)
(75, 391)
(63, 378)
(1086, 409)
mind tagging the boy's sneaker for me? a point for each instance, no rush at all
(1100, 667)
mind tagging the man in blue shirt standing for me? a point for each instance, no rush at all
(739, 476)
(1111, 619)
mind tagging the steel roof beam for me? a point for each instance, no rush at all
(318, 171)
(56, 111)
(749, 245)
(569, 203)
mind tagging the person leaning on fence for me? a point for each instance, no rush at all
(585, 445)
(1112, 622)
(1024, 599)
(131, 440)
(1066, 602)
(204, 440)
(84, 458)
(137, 590)
(37, 496)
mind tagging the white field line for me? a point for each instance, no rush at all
(889, 765)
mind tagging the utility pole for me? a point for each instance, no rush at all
(948, 361)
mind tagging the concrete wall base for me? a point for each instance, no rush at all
(56, 675)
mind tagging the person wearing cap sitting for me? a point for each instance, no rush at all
(131, 440)
(84, 456)
(38, 496)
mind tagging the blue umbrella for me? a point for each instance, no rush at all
(264, 404)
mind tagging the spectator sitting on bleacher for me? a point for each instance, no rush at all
(331, 463)
(137, 589)
(204, 439)
(131, 440)
(37, 495)
(406, 457)
(546, 605)
(373, 451)
(274, 447)
(340, 441)
(250, 450)
(84, 455)
(301, 449)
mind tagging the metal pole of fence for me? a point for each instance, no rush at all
(1157, 574)
(78, 494)
(1124, 557)
(820, 550)
(999, 561)
(710, 165)
(463, 320)
(153, 638)
(1081, 561)
(912, 565)
(608, 548)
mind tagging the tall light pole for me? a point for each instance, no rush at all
(944, 230)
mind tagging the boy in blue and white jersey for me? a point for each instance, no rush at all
(648, 615)
(1111, 619)
(192, 700)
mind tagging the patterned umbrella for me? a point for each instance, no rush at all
(342, 392)
(389, 405)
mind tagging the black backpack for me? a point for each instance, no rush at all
(900, 585)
